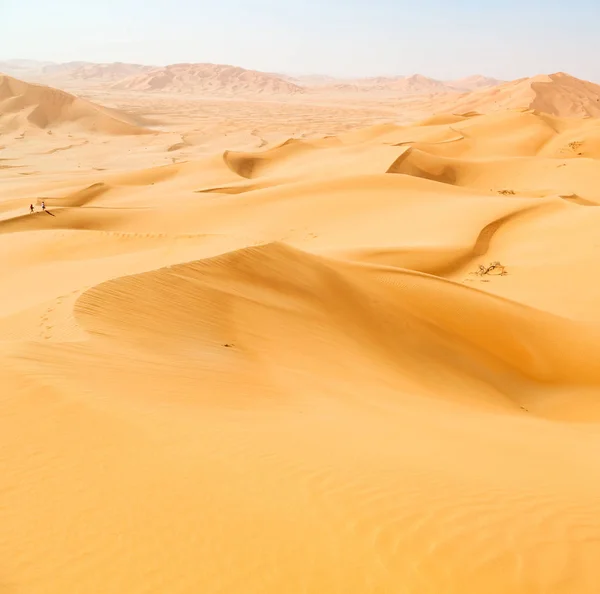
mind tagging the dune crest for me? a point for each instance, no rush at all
(556, 94)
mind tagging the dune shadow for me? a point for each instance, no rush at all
(481, 245)
(575, 199)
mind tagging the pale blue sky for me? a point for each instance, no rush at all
(442, 39)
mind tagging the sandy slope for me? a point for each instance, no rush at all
(266, 370)
(25, 106)
(558, 94)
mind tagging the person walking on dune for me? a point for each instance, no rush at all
(31, 209)
(43, 205)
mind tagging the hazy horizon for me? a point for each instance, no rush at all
(16, 60)
(284, 73)
(358, 38)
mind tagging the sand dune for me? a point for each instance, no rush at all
(277, 366)
(24, 106)
(556, 94)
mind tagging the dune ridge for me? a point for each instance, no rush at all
(558, 94)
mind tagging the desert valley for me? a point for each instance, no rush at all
(297, 334)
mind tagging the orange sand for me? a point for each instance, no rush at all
(251, 364)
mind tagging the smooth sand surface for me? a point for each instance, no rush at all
(249, 354)
(558, 94)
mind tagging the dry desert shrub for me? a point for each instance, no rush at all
(493, 268)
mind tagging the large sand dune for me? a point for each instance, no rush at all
(557, 94)
(24, 106)
(270, 366)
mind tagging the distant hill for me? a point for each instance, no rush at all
(209, 79)
(63, 69)
(56, 73)
(23, 68)
(558, 94)
(115, 71)
(415, 84)
(471, 83)
(224, 79)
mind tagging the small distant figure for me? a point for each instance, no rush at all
(31, 209)
(43, 205)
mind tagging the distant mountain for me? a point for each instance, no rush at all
(310, 80)
(23, 64)
(471, 83)
(23, 68)
(61, 73)
(62, 69)
(560, 93)
(415, 84)
(418, 84)
(209, 79)
(115, 71)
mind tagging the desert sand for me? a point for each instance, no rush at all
(248, 348)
